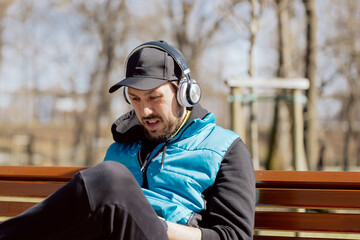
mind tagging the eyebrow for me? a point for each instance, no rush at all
(146, 94)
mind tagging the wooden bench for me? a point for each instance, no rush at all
(23, 186)
(290, 204)
(321, 202)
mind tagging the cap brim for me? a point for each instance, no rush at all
(139, 83)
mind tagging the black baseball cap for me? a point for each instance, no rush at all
(148, 68)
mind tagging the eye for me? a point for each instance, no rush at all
(134, 99)
(154, 97)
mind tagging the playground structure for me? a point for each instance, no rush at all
(238, 99)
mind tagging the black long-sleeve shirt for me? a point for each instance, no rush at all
(230, 201)
(230, 208)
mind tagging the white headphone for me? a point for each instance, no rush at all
(189, 92)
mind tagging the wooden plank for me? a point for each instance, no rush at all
(309, 198)
(307, 179)
(10, 209)
(31, 189)
(34, 173)
(293, 221)
(276, 188)
(278, 237)
(263, 177)
(290, 238)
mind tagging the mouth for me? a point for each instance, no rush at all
(152, 124)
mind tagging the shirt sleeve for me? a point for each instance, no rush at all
(230, 202)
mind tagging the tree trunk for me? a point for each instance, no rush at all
(358, 149)
(350, 117)
(311, 130)
(280, 146)
(102, 107)
(88, 123)
(4, 4)
(254, 129)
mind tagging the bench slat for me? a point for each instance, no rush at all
(10, 209)
(307, 179)
(31, 189)
(309, 198)
(294, 221)
(34, 173)
(276, 189)
(290, 238)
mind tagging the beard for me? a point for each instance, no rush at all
(169, 130)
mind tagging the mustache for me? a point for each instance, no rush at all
(151, 117)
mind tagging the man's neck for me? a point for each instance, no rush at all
(186, 117)
(149, 145)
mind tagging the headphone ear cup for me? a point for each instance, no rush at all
(181, 93)
(126, 95)
(188, 93)
(193, 93)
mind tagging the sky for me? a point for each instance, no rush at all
(49, 49)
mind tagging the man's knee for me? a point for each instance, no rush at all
(110, 172)
(107, 181)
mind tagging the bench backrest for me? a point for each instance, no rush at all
(325, 202)
(289, 203)
(23, 186)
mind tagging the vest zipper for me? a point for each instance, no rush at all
(146, 163)
(143, 170)
(144, 166)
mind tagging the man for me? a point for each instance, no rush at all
(171, 173)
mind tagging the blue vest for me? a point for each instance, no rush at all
(191, 162)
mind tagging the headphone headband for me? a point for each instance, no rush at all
(175, 54)
(189, 92)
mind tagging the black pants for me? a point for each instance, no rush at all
(103, 202)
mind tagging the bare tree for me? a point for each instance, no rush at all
(252, 26)
(311, 129)
(108, 20)
(280, 141)
(194, 32)
(345, 49)
(4, 5)
(192, 45)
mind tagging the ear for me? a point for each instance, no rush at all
(126, 95)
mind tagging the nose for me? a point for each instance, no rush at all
(146, 109)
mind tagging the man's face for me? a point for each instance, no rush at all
(158, 111)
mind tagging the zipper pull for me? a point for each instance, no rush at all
(163, 156)
(145, 161)
(144, 165)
